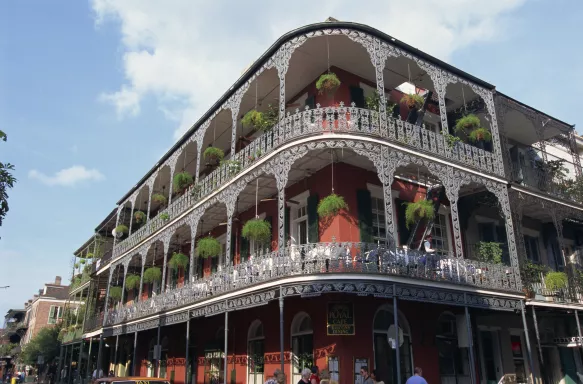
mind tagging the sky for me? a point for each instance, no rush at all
(93, 93)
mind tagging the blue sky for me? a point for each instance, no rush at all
(93, 93)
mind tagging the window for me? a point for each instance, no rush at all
(531, 245)
(55, 313)
(302, 344)
(518, 357)
(439, 235)
(491, 232)
(255, 351)
(301, 225)
(385, 356)
(378, 219)
(453, 360)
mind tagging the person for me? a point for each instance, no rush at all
(417, 377)
(96, 374)
(273, 379)
(366, 379)
(111, 374)
(314, 378)
(306, 374)
(375, 377)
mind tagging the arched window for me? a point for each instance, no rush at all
(302, 344)
(255, 352)
(384, 355)
(163, 356)
(453, 360)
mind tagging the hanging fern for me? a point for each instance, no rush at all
(159, 198)
(480, 134)
(328, 82)
(82, 261)
(467, 123)
(331, 205)
(257, 230)
(182, 181)
(132, 282)
(253, 118)
(139, 216)
(152, 274)
(213, 154)
(178, 260)
(115, 293)
(422, 209)
(76, 265)
(208, 247)
(261, 121)
(123, 229)
(413, 100)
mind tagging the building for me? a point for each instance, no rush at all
(350, 201)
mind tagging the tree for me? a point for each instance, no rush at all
(45, 344)
(6, 349)
(6, 182)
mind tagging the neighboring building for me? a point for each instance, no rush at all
(495, 291)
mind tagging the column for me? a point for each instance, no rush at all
(142, 277)
(157, 354)
(131, 217)
(281, 345)
(578, 328)
(396, 335)
(135, 356)
(106, 310)
(164, 267)
(123, 284)
(473, 375)
(99, 354)
(187, 350)
(452, 196)
(150, 191)
(527, 338)
(226, 360)
(80, 360)
(60, 363)
(115, 356)
(379, 59)
(88, 371)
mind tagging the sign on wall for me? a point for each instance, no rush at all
(340, 319)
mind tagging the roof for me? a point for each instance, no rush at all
(534, 109)
(263, 58)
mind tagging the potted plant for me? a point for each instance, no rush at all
(489, 251)
(159, 198)
(467, 123)
(480, 135)
(115, 293)
(140, 217)
(132, 281)
(213, 155)
(208, 247)
(123, 229)
(422, 209)
(164, 216)
(232, 166)
(82, 261)
(451, 140)
(328, 83)
(531, 274)
(373, 102)
(152, 275)
(261, 121)
(555, 281)
(181, 181)
(330, 205)
(178, 260)
(76, 265)
(413, 100)
(257, 230)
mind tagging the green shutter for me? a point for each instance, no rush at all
(269, 219)
(313, 223)
(233, 244)
(286, 226)
(364, 204)
(311, 102)
(357, 96)
(244, 249)
(401, 223)
(52, 312)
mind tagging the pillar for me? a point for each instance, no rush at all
(281, 345)
(527, 338)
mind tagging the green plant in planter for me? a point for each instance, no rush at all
(76, 265)
(413, 100)
(331, 205)
(123, 229)
(328, 82)
(115, 293)
(152, 275)
(467, 123)
(208, 247)
(195, 191)
(89, 255)
(532, 272)
(257, 230)
(422, 209)
(373, 102)
(164, 216)
(140, 217)
(233, 166)
(261, 121)
(159, 198)
(213, 154)
(182, 181)
(450, 140)
(489, 251)
(178, 260)
(132, 281)
(480, 134)
(555, 281)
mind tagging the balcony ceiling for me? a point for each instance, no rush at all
(520, 128)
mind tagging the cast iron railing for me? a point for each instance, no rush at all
(327, 258)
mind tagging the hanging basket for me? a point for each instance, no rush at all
(257, 230)
(208, 247)
(159, 198)
(331, 205)
(152, 275)
(181, 181)
(328, 83)
(132, 282)
(422, 209)
(115, 293)
(467, 123)
(178, 260)
(413, 101)
(140, 217)
(123, 229)
(480, 135)
(213, 154)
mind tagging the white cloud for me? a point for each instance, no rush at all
(192, 51)
(68, 177)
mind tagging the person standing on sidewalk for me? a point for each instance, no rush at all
(417, 378)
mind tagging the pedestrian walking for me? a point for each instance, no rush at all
(417, 377)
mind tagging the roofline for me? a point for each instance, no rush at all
(274, 47)
(572, 126)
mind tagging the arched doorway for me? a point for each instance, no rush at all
(453, 360)
(255, 353)
(302, 335)
(385, 356)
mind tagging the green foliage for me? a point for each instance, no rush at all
(450, 140)
(76, 265)
(467, 123)
(373, 102)
(90, 255)
(115, 293)
(422, 209)
(555, 281)
(489, 251)
(213, 154)
(328, 82)
(480, 134)
(6, 349)
(45, 343)
(178, 260)
(208, 247)
(159, 198)
(413, 100)
(181, 181)
(555, 170)
(132, 281)
(574, 188)
(6, 182)
(82, 261)
(257, 230)
(164, 216)
(233, 166)
(140, 217)
(152, 274)
(331, 205)
(122, 229)
(261, 121)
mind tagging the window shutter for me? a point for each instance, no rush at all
(364, 204)
(311, 101)
(233, 245)
(313, 223)
(357, 96)
(52, 312)
(286, 226)
(244, 249)
(269, 219)
(401, 223)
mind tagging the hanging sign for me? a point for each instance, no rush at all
(340, 319)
